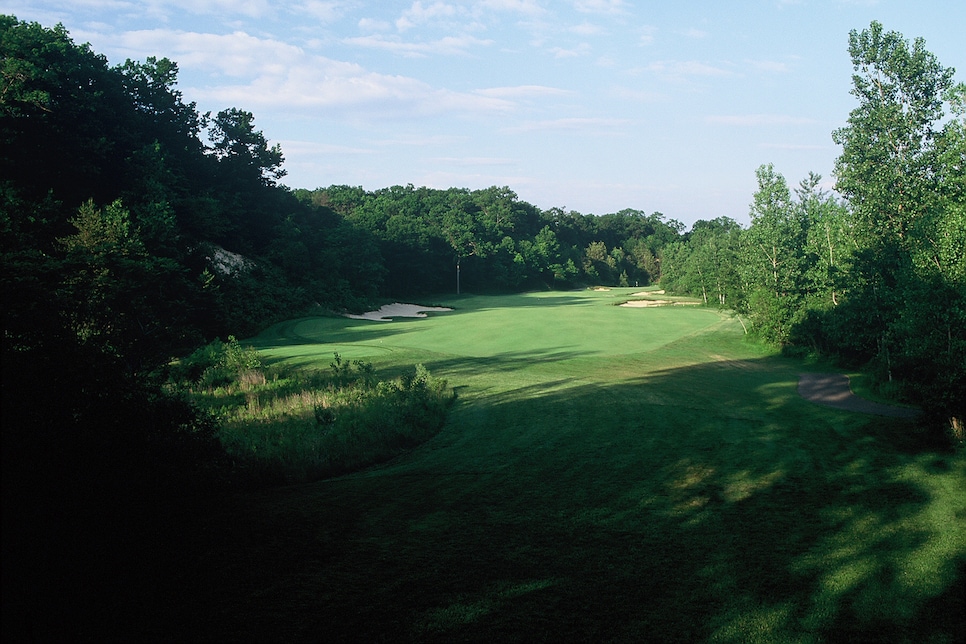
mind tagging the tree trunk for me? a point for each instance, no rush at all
(957, 428)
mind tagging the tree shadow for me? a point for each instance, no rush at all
(708, 502)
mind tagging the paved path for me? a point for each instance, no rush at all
(832, 390)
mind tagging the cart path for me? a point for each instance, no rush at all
(833, 390)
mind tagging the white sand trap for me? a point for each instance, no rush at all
(641, 304)
(601, 288)
(387, 312)
(646, 293)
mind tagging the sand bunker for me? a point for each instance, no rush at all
(387, 312)
(640, 304)
(646, 293)
(833, 390)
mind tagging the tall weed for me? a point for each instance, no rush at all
(217, 364)
(297, 426)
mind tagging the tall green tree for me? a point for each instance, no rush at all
(235, 142)
(121, 300)
(829, 242)
(715, 247)
(901, 170)
(773, 263)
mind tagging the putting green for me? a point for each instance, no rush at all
(578, 324)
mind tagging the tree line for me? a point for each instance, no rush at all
(435, 241)
(134, 229)
(877, 276)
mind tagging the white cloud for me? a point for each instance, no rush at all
(628, 94)
(412, 140)
(681, 68)
(225, 9)
(276, 74)
(601, 6)
(522, 91)
(756, 120)
(528, 7)
(294, 148)
(418, 14)
(697, 34)
(330, 85)
(768, 66)
(580, 50)
(87, 5)
(450, 45)
(370, 24)
(475, 161)
(594, 124)
(325, 12)
(646, 34)
(792, 146)
(587, 29)
(236, 54)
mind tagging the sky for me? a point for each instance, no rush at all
(587, 105)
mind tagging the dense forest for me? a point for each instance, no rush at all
(134, 229)
(875, 278)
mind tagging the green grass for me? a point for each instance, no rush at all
(608, 474)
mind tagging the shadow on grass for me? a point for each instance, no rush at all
(325, 329)
(707, 503)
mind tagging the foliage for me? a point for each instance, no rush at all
(215, 364)
(237, 144)
(893, 152)
(876, 280)
(297, 426)
(488, 240)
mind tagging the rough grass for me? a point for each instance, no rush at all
(301, 425)
(609, 474)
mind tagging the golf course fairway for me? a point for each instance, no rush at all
(607, 474)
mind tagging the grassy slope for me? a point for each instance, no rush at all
(608, 473)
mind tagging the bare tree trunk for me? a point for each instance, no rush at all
(831, 258)
(888, 359)
(958, 429)
(742, 323)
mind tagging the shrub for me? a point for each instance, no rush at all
(301, 426)
(216, 364)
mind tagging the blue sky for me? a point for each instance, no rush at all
(589, 105)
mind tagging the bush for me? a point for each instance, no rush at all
(216, 364)
(300, 426)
